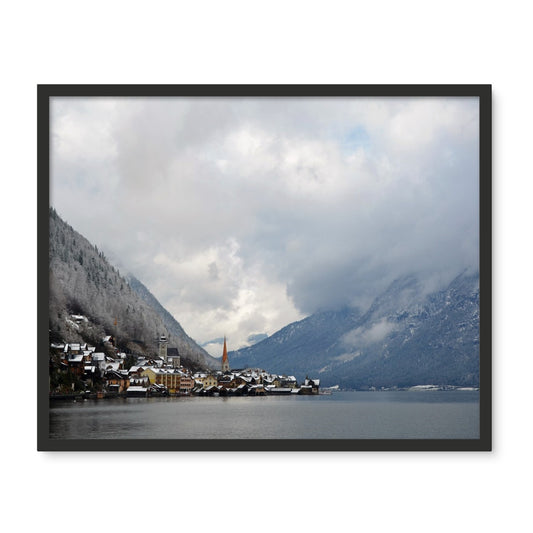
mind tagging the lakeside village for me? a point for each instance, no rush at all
(78, 371)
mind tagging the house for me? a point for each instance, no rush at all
(139, 381)
(73, 348)
(90, 373)
(236, 381)
(173, 357)
(313, 383)
(256, 390)
(108, 339)
(310, 386)
(116, 382)
(288, 381)
(136, 370)
(279, 390)
(98, 359)
(211, 391)
(225, 381)
(186, 384)
(113, 365)
(207, 380)
(149, 372)
(174, 380)
(57, 348)
(241, 390)
(157, 390)
(76, 363)
(137, 390)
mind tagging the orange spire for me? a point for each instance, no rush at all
(225, 352)
(225, 362)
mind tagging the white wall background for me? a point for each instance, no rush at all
(274, 42)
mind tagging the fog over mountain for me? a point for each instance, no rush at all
(243, 215)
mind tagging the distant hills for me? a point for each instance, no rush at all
(407, 337)
(83, 282)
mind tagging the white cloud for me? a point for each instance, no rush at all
(362, 336)
(242, 215)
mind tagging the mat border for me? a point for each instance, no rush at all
(483, 92)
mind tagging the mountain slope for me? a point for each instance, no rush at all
(406, 337)
(184, 343)
(83, 282)
(298, 346)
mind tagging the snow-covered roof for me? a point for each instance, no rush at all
(136, 388)
(76, 358)
(98, 356)
(142, 379)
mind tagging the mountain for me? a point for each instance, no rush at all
(407, 337)
(181, 340)
(84, 283)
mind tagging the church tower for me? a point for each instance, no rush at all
(163, 343)
(225, 362)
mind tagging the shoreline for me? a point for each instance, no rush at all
(114, 395)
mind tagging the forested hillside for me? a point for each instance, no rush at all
(83, 282)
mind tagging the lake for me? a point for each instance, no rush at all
(341, 415)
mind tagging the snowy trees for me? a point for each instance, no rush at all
(83, 282)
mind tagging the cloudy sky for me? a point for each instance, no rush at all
(243, 215)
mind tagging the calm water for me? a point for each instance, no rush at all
(353, 415)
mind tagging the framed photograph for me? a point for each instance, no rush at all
(264, 268)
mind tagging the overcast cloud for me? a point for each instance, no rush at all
(243, 215)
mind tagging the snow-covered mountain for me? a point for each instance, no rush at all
(407, 337)
(84, 283)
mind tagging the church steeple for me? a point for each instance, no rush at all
(225, 362)
(163, 343)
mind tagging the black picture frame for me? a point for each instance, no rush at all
(483, 92)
